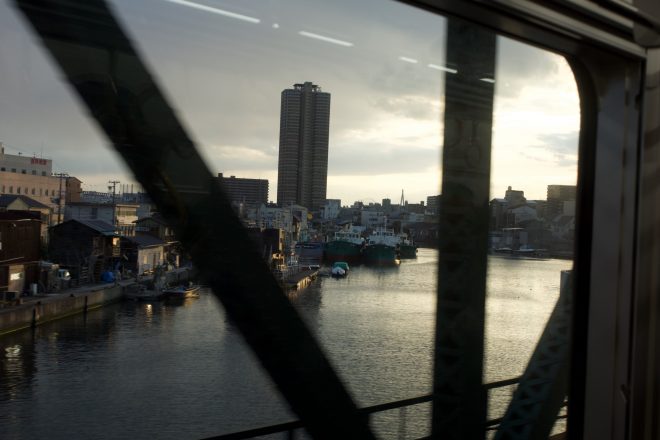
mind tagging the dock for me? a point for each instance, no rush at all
(301, 279)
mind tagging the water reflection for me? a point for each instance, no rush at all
(17, 370)
(134, 365)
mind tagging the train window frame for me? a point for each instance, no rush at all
(617, 156)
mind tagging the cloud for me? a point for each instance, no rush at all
(224, 78)
(519, 66)
(411, 106)
(375, 159)
(560, 143)
(244, 158)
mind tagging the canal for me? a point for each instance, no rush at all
(142, 371)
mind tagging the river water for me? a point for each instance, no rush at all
(143, 371)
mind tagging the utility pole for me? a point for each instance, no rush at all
(59, 197)
(113, 185)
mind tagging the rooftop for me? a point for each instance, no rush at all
(8, 199)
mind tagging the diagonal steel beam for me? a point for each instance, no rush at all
(104, 69)
(540, 395)
(459, 405)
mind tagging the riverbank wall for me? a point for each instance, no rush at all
(36, 310)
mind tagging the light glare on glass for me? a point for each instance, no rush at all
(443, 68)
(215, 10)
(326, 39)
(408, 60)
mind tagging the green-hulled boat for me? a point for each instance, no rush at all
(381, 248)
(379, 254)
(407, 249)
(346, 246)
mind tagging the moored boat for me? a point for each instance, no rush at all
(339, 269)
(139, 292)
(345, 246)
(190, 291)
(407, 249)
(381, 249)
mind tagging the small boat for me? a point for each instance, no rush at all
(339, 269)
(190, 291)
(141, 293)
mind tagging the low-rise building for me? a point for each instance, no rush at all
(142, 253)
(33, 177)
(157, 226)
(20, 251)
(330, 210)
(433, 204)
(244, 190)
(372, 219)
(85, 247)
(293, 220)
(122, 215)
(22, 203)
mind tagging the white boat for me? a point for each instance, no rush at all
(339, 269)
(384, 236)
(381, 248)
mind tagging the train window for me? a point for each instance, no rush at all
(358, 150)
(531, 209)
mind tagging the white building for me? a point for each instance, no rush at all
(20, 164)
(372, 219)
(292, 219)
(523, 213)
(330, 210)
(123, 215)
(32, 177)
(413, 217)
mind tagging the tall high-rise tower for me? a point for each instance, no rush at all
(302, 172)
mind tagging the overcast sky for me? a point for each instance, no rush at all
(224, 64)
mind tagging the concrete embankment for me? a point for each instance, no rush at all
(39, 309)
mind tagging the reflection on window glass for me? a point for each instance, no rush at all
(532, 205)
(324, 125)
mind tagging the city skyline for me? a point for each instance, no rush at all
(387, 88)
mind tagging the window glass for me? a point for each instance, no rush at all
(532, 205)
(250, 80)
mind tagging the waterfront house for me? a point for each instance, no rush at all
(142, 253)
(20, 251)
(122, 215)
(156, 226)
(9, 202)
(85, 247)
